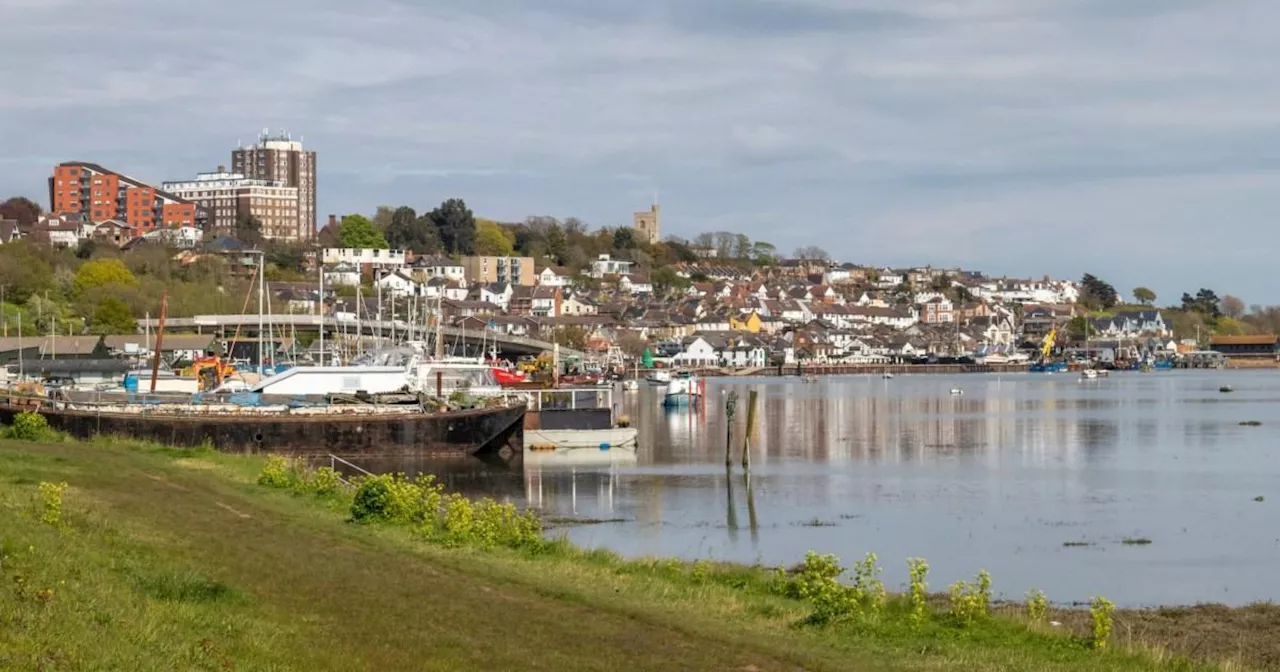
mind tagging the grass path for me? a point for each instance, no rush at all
(169, 560)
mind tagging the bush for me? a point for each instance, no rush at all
(868, 589)
(1037, 605)
(324, 481)
(51, 502)
(372, 500)
(29, 426)
(918, 592)
(971, 601)
(1103, 612)
(819, 585)
(276, 473)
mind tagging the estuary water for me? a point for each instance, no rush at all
(1040, 479)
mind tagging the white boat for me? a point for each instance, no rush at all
(887, 375)
(1089, 374)
(539, 440)
(659, 377)
(957, 391)
(682, 391)
(630, 385)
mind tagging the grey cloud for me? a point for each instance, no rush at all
(943, 131)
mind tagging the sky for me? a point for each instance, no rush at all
(1135, 139)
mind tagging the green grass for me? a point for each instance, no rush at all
(178, 560)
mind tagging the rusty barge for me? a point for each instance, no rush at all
(362, 431)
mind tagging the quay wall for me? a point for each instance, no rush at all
(876, 369)
(497, 431)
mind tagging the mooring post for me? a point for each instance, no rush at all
(752, 398)
(730, 405)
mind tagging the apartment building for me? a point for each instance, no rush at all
(101, 195)
(228, 197)
(488, 270)
(279, 158)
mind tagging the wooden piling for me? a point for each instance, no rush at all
(730, 405)
(751, 428)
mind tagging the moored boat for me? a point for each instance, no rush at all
(684, 390)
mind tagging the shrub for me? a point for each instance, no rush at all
(29, 426)
(372, 499)
(918, 592)
(701, 572)
(276, 473)
(1103, 612)
(971, 601)
(818, 585)
(51, 502)
(1037, 605)
(324, 481)
(868, 589)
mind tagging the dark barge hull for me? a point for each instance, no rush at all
(487, 433)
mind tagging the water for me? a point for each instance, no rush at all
(998, 479)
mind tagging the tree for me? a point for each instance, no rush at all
(456, 226)
(763, 254)
(1205, 302)
(1080, 328)
(1144, 296)
(359, 232)
(85, 248)
(112, 317)
(812, 253)
(1231, 306)
(22, 209)
(1097, 294)
(741, 246)
(408, 231)
(665, 279)
(557, 243)
(248, 230)
(624, 239)
(492, 240)
(103, 273)
(383, 217)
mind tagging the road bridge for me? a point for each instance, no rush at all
(508, 345)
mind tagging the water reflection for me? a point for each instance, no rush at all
(998, 478)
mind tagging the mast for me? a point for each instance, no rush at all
(155, 358)
(21, 369)
(320, 301)
(262, 278)
(440, 325)
(377, 277)
(359, 324)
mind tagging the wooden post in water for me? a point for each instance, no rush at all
(155, 361)
(730, 405)
(752, 398)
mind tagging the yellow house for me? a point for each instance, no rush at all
(751, 323)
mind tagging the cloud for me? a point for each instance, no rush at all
(981, 132)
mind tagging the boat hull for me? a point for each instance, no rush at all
(681, 400)
(497, 431)
(601, 439)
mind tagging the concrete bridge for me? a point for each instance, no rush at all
(507, 345)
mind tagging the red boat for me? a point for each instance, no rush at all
(507, 376)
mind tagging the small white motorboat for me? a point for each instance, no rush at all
(630, 385)
(1089, 374)
(682, 391)
(659, 377)
(957, 391)
(888, 375)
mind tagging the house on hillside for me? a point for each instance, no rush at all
(554, 276)
(398, 283)
(695, 351)
(425, 268)
(937, 310)
(498, 293)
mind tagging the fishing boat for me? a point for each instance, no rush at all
(683, 391)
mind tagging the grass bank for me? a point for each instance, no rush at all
(159, 559)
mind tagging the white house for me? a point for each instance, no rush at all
(397, 284)
(554, 276)
(578, 306)
(342, 275)
(543, 301)
(697, 352)
(743, 353)
(606, 265)
(185, 237)
(438, 267)
(888, 317)
(635, 284)
(498, 293)
(888, 279)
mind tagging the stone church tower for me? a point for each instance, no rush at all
(647, 224)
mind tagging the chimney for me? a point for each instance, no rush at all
(222, 168)
(333, 221)
(559, 302)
